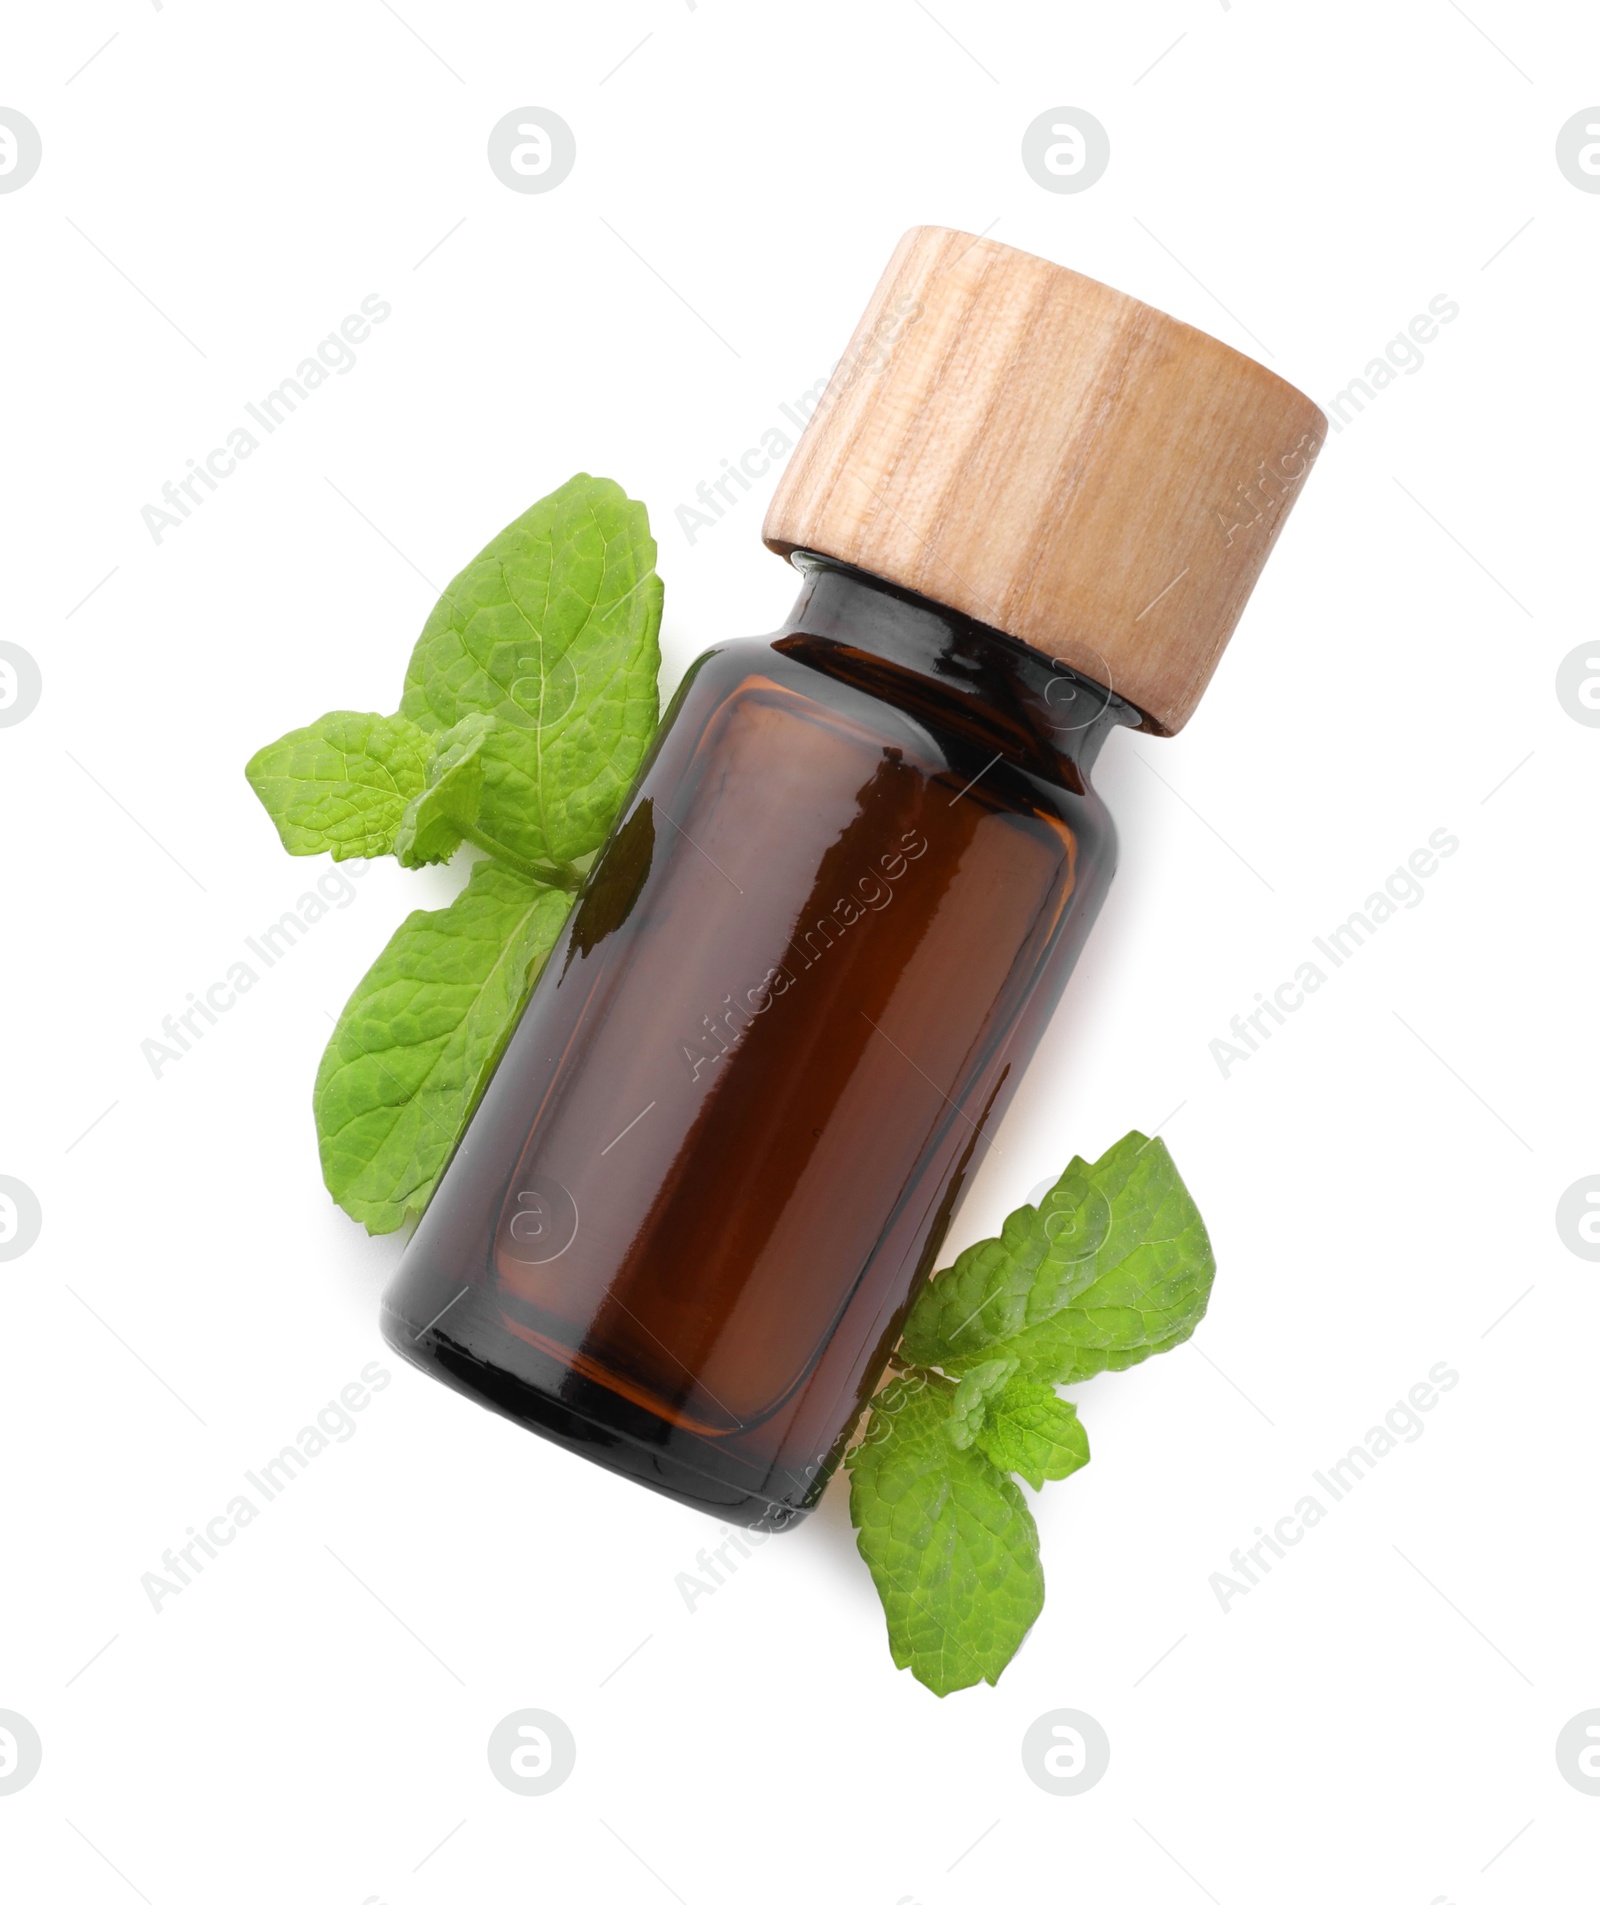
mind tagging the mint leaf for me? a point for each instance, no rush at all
(969, 1406)
(552, 630)
(1112, 1267)
(1028, 1430)
(1147, 1283)
(981, 1300)
(446, 811)
(952, 1548)
(419, 1037)
(341, 785)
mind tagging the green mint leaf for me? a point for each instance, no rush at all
(970, 1403)
(552, 630)
(419, 1037)
(981, 1300)
(1028, 1430)
(446, 811)
(1144, 1285)
(952, 1548)
(1112, 1267)
(341, 785)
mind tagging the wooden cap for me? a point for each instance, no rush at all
(1054, 459)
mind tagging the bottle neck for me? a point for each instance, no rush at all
(931, 659)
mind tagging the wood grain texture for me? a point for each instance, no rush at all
(1052, 458)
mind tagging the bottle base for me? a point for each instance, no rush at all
(507, 1394)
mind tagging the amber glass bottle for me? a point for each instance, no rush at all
(787, 1014)
(727, 1137)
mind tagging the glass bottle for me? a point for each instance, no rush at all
(726, 1140)
(788, 1011)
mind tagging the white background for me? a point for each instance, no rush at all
(1377, 1719)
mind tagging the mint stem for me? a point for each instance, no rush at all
(567, 878)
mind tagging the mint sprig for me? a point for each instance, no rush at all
(529, 700)
(1114, 1265)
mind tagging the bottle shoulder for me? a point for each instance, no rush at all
(953, 731)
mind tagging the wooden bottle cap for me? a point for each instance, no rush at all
(1054, 459)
